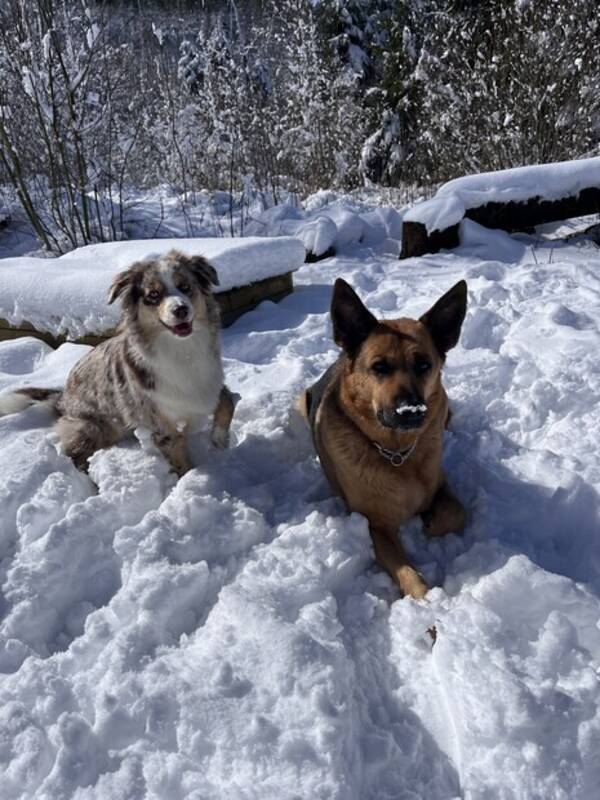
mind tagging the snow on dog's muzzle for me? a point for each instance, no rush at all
(407, 409)
(404, 417)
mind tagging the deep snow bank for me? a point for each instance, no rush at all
(68, 294)
(229, 636)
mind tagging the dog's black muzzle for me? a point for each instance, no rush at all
(407, 421)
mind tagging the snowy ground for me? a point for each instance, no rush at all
(228, 637)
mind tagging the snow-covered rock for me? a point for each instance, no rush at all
(318, 235)
(68, 294)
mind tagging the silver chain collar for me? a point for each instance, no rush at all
(395, 457)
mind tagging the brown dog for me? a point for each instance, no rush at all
(378, 416)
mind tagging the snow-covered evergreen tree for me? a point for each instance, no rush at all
(389, 152)
(504, 84)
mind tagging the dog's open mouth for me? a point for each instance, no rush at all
(181, 329)
(408, 422)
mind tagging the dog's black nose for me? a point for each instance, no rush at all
(180, 312)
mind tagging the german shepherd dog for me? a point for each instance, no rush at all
(377, 418)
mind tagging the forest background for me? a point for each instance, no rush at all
(278, 99)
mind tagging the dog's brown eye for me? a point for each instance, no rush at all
(185, 288)
(381, 367)
(422, 365)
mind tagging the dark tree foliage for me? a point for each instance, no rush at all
(475, 86)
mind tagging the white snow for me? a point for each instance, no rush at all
(477, 240)
(549, 181)
(162, 212)
(332, 226)
(408, 409)
(317, 235)
(438, 213)
(228, 637)
(68, 294)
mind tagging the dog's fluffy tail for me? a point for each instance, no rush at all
(12, 402)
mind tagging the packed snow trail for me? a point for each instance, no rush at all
(228, 636)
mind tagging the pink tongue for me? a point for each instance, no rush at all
(183, 329)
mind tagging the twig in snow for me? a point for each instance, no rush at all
(534, 255)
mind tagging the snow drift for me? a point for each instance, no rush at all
(326, 227)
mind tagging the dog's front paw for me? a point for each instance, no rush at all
(411, 583)
(220, 437)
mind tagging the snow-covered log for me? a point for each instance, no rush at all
(65, 298)
(512, 199)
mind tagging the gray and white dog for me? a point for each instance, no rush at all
(162, 370)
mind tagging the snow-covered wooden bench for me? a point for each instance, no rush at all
(512, 199)
(64, 298)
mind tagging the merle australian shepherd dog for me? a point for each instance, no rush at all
(162, 370)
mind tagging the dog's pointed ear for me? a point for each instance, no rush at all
(445, 318)
(352, 322)
(122, 282)
(205, 273)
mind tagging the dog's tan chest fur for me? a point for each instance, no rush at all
(369, 484)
